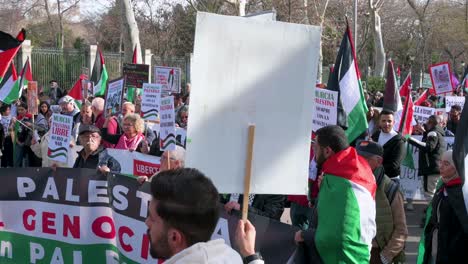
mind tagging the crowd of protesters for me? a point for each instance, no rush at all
(372, 166)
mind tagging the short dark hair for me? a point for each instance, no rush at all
(333, 137)
(23, 105)
(387, 112)
(456, 108)
(188, 202)
(4, 108)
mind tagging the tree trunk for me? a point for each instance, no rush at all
(131, 32)
(378, 43)
(61, 39)
(242, 4)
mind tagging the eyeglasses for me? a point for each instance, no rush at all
(128, 124)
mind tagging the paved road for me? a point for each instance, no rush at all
(413, 219)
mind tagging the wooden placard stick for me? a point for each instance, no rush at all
(248, 171)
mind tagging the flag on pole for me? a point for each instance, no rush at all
(406, 120)
(346, 80)
(76, 91)
(99, 75)
(9, 46)
(9, 86)
(25, 76)
(422, 98)
(392, 100)
(131, 90)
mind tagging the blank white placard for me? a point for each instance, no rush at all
(249, 71)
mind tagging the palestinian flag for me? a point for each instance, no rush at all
(392, 101)
(406, 121)
(25, 76)
(99, 75)
(76, 91)
(9, 46)
(346, 209)
(424, 96)
(10, 86)
(346, 80)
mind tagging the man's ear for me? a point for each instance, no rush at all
(328, 152)
(379, 161)
(176, 240)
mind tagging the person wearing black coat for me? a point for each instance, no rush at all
(446, 231)
(392, 143)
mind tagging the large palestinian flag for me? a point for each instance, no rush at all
(9, 46)
(11, 86)
(346, 209)
(346, 80)
(99, 75)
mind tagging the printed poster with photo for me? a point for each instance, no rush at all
(32, 98)
(441, 77)
(169, 78)
(114, 96)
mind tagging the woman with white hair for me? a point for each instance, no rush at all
(132, 137)
(446, 232)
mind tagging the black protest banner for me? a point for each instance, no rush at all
(83, 216)
(135, 74)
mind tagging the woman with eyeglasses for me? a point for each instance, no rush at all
(132, 137)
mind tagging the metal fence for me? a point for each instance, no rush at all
(66, 65)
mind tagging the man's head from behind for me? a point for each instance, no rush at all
(183, 211)
(329, 140)
(371, 151)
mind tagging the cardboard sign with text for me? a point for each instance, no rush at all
(60, 136)
(169, 78)
(167, 125)
(441, 77)
(421, 113)
(32, 98)
(135, 75)
(325, 110)
(150, 100)
(454, 100)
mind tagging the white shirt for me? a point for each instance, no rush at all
(385, 137)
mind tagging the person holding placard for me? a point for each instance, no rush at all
(93, 155)
(69, 108)
(180, 226)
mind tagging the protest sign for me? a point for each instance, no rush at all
(135, 74)
(60, 136)
(82, 216)
(454, 100)
(86, 88)
(421, 113)
(410, 181)
(441, 77)
(168, 77)
(325, 109)
(181, 136)
(251, 88)
(32, 98)
(114, 96)
(135, 163)
(167, 124)
(426, 81)
(150, 100)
